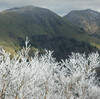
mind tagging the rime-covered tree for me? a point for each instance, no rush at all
(41, 77)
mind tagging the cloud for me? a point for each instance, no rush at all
(61, 7)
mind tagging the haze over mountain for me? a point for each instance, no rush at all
(45, 29)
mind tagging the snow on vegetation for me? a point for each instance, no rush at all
(41, 77)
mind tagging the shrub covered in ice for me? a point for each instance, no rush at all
(41, 77)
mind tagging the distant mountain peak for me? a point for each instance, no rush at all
(88, 10)
(29, 10)
(87, 20)
(21, 8)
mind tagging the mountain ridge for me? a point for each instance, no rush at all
(33, 21)
(42, 26)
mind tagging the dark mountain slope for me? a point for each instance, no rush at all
(61, 45)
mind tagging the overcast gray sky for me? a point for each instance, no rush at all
(61, 7)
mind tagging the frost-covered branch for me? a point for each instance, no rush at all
(41, 77)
